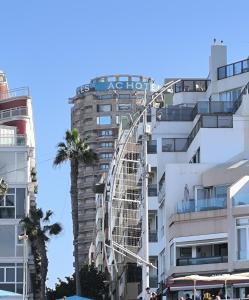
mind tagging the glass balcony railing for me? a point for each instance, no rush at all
(13, 112)
(12, 140)
(233, 69)
(152, 190)
(201, 260)
(201, 205)
(241, 199)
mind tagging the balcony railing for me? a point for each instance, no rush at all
(210, 121)
(22, 91)
(201, 260)
(201, 205)
(13, 140)
(233, 69)
(152, 236)
(152, 190)
(13, 112)
(189, 112)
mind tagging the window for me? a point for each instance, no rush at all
(152, 147)
(167, 145)
(12, 205)
(105, 156)
(105, 133)
(88, 121)
(186, 252)
(242, 225)
(230, 95)
(124, 107)
(106, 145)
(104, 107)
(11, 277)
(104, 166)
(174, 145)
(124, 96)
(7, 238)
(222, 73)
(104, 120)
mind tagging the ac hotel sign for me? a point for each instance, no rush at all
(117, 85)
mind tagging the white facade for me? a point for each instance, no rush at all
(197, 225)
(17, 168)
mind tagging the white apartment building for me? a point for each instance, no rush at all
(17, 169)
(198, 192)
(198, 157)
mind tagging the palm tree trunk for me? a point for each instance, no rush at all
(74, 204)
(44, 267)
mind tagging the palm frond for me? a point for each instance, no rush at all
(55, 229)
(48, 214)
(61, 157)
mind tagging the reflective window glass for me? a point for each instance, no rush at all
(10, 274)
(229, 70)
(104, 120)
(222, 73)
(1, 274)
(237, 68)
(20, 202)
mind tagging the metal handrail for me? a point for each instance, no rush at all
(13, 93)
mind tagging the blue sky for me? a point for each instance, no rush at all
(55, 46)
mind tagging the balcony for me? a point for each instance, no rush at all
(188, 112)
(210, 121)
(152, 190)
(13, 140)
(15, 93)
(236, 68)
(13, 112)
(153, 236)
(201, 205)
(201, 260)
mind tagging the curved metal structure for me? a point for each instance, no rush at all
(126, 198)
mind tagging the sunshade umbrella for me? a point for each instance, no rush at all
(227, 277)
(76, 298)
(8, 294)
(193, 278)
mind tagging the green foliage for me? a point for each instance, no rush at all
(92, 285)
(35, 227)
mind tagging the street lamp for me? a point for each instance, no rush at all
(24, 237)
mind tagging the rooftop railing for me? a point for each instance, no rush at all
(233, 69)
(188, 113)
(22, 91)
(188, 206)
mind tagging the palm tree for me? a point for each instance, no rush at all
(39, 230)
(77, 151)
